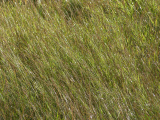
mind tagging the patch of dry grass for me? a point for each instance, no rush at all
(80, 60)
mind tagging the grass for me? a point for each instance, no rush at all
(80, 60)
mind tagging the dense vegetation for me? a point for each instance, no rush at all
(80, 59)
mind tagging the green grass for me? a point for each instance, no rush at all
(83, 59)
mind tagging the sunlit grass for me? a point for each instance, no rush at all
(80, 60)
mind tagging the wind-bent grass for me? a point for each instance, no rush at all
(80, 60)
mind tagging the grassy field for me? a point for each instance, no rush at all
(80, 60)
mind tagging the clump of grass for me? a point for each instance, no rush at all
(80, 60)
(75, 10)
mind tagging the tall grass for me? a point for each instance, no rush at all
(83, 59)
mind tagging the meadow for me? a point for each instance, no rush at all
(80, 60)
